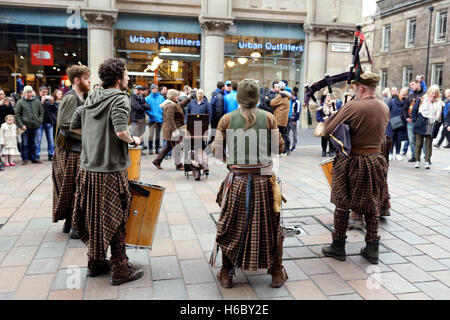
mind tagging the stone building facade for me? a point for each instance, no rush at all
(402, 30)
(174, 43)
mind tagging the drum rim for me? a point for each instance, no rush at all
(155, 186)
(327, 160)
(134, 147)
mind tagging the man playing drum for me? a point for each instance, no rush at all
(66, 160)
(102, 200)
(249, 231)
(359, 181)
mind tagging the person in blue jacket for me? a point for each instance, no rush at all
(396, 105)
(230, 99)
(155, 117)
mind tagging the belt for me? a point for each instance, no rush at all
(245, 175)
(247, 169)
(359, 151)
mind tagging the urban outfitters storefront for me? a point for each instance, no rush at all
(168, 51)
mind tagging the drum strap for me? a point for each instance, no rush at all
(143, 192)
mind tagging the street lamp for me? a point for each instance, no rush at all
(428, 46)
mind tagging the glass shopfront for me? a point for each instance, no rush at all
(264, 52)
(161, 50)
(164, 58)
(36, 48)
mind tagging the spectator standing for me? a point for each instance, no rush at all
(323, 113)
(29, 114)
(217, 107)
(6, 107)
(445, 133)
(155, 118)
(265, 99)
(164, 92)
(173, 120)
(281, 105)
(50, 113)
(199, 105)
(396, 110)
(386, 95)
(8, 140)
(293, 119)
(230, 99)
(411, 99)
(426, 113)
(423, 85)
(228, 87)
(137, 115)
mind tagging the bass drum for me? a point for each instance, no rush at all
(134, 171)
(144, 212)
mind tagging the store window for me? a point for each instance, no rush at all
(263, 59)
(168, 59)
(38, 54)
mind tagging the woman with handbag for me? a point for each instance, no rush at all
(396, 129)
(427, 113)
(323, 113)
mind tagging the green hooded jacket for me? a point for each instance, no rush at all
(104, 113)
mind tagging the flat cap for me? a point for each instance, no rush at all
(369, 79)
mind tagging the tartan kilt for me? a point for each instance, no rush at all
(65, 167)
(102, 204)
(264, 231)
(359, 183)
(386, 146)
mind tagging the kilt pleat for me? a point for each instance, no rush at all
(102, 204)
(65, 167)
(264, 230)
(359, 183)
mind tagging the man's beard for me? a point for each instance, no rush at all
(84, 87)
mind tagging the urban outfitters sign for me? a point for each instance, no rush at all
(165, 41)
(270, 46)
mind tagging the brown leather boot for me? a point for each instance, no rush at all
(279, 275)
(225, 274)
(131, 274)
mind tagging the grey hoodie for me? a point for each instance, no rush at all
(104, 113)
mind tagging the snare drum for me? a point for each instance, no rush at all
(134, 171)
(327, 167)
(144, 212)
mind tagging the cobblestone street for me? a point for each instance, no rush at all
(38, 261)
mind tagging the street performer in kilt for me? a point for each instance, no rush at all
(249, 232)
(66, 160)
(103, 198)
(359, 181)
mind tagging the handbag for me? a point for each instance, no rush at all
(396, 122)
(318, 131)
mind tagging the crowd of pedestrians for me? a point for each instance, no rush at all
(418, 115)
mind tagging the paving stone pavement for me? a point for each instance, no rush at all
(38, 261)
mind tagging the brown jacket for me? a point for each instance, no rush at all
(173, 114)
(280, 106)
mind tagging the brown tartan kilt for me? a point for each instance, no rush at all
(65, 167)
(102, 204)
(264, 231)
(359, 183)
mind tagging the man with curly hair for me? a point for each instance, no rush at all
(103, 198)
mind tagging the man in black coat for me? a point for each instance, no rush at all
(407, 109)
(265, 99)
(137, 116)
(217, 107)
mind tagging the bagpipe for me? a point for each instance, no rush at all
(353, 74)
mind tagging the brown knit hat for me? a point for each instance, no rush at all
(247, 93)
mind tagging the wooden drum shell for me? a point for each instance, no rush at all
(134, 171)
(144, 213)
(327, 168)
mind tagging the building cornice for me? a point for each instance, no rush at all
(341, 30)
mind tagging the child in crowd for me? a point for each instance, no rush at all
(8, 140)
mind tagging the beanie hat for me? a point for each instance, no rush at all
(28, 88)
(247, 93)
(172, 93)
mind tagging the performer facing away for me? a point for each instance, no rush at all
(359, 181)
(66, 160)
(249, 231)
(103, 198)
